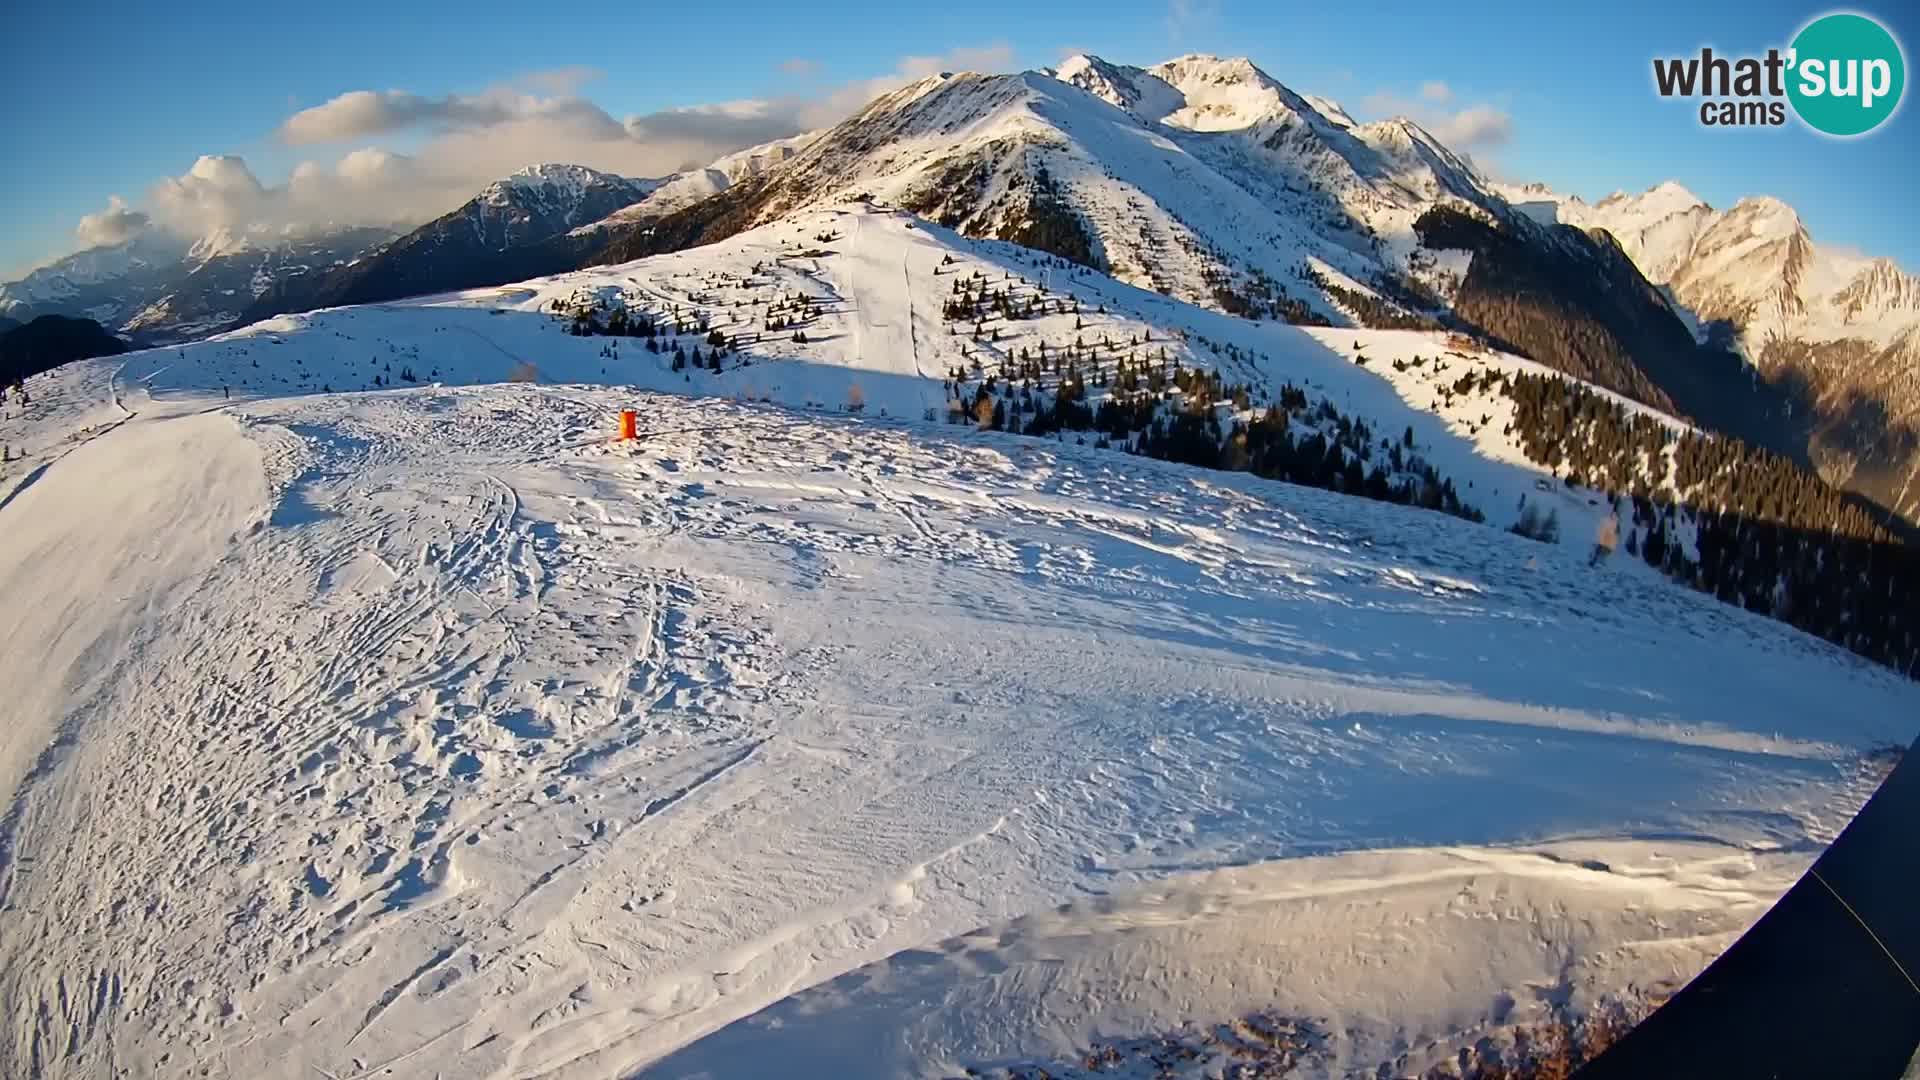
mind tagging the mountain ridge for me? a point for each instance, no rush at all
(518, 226)
(157, 288)
(1832, 337)
(1207, 180)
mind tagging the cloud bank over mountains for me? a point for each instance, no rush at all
(462, 142)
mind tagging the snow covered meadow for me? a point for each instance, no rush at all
(426, 731)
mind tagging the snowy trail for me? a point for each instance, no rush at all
(99, 547)
(502, 750)
(878, 285)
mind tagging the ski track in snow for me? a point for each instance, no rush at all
(457, 738)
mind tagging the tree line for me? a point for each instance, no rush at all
(1766, 534)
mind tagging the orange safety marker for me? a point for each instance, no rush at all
(629, 424)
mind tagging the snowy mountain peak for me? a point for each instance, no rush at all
(1136, 90)
(1332, 110)
(1225, 95)
(1402, 131)
(1195, 69)
(1196, 92)
(1075, 65)
(223, 240)
(568, 181)
(1767, 217)
(58, 286)
(1672, 191)
(1666, 197)
(545, 199)
(1881, 287)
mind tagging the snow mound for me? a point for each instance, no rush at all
(1442, 942)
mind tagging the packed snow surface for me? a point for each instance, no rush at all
(428, 732)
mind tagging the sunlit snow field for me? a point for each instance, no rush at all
(428, 732)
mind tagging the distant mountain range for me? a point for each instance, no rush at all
(157, 288)
(1209, 181)
(502, 234)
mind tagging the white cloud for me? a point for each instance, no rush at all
(218, 192)
(117, 224)
(474, 139)
(1475, 127)
(562, 82)
(1186, 18)
(365, 113)
(1479, 127)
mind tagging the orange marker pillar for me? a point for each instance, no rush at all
(629, 424)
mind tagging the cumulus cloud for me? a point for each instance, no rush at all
(1465, 130)
(117, 224)
(365, 187)
(471, 140)
(218, 192)
(1479, 127)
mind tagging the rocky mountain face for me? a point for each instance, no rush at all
(1200, 177)
(1831, 340)
(534, 204)
(505, 233)
(1209, 181)
(683, 189)
(157, 289)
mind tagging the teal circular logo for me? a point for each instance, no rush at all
(1848, 74)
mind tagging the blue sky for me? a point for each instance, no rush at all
(110, 99)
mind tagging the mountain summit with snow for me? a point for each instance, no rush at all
(540, 198)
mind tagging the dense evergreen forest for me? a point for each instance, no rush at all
(1770, 536)
(1152, 404)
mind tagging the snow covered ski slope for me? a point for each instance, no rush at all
(423, 731)
(867, 289)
